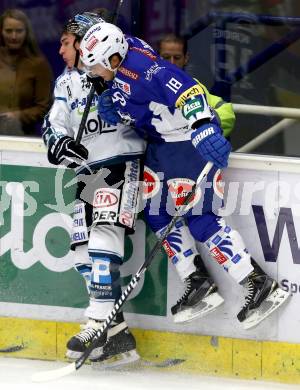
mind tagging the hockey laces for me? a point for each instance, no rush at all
(251, 292)
(86, 334)
(188, 289)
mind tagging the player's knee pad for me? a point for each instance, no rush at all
(106, 251)
(83, 263)
(228, 249)
(180, 248)
(105, 277)
(105, 287)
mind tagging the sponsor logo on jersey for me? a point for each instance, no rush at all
(106, 205)
(218, 184)
(69, 92)
(151, 183)
(125, 87)
(80, 104)
(169, 251)
(78, 222)
(199, 137)
(130, 194)
(105, 198)
(79, 229)
(146, 52)
(129, 73)
(92, 43)
(193, 91)
(85, 84)
(152, 71)
(218, 255)
(192, 107)
(180, 188)
(104, 216)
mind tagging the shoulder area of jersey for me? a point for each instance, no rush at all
(141, 48)
(140, 60)
(65, 77)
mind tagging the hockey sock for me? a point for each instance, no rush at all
(228, 249)
(180, 248)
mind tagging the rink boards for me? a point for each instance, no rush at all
(43, 299)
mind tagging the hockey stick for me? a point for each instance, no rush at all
(92, 90)
(44, 376)
(117, 11)
(85, 115)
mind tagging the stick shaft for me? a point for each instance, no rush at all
(85, 115)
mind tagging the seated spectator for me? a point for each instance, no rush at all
(25, 76)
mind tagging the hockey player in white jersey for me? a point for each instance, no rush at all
(105, 209)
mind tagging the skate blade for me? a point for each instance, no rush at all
(272, 303)
(118, 360)
(206, 306)
(73, 355)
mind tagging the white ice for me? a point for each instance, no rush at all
(16, 374)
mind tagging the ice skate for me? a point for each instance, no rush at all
(200, 298)
(120, 349)
(116, 341)
(264, 297)
(77, 344)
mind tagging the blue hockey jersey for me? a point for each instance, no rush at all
(161, 100)
(151, 94)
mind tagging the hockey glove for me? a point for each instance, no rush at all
(65, 151)
(211, 144)
(107, 110)
(98, 83)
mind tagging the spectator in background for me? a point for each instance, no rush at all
(174, 49)
(25, 76)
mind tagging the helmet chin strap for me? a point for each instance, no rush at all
(77, 55)
(76, 59)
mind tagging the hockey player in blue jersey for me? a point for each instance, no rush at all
(171, 109)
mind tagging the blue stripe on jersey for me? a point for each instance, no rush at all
(60, 98)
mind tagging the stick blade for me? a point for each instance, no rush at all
(50, 375)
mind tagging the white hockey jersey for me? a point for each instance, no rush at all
(106, 143)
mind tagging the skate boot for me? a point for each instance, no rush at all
(264, 296)
(200, 298)
(118, 350)
(77, 344)
(117, 336)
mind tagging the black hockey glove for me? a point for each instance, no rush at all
(98, 83)
(65, 151)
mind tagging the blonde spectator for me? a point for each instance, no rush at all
(25, 76)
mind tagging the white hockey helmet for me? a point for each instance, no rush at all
(100, 42)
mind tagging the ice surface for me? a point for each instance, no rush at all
(16, 374)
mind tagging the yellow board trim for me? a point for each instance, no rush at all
(219, 356)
